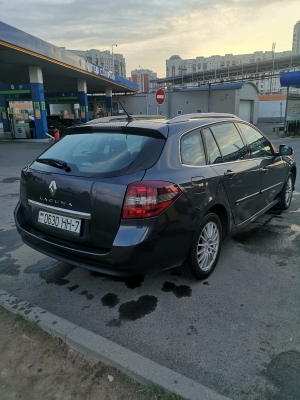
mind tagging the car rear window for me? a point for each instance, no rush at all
(106, 154)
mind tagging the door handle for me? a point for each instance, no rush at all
(198, 182)
(229, 173)
(264, 170)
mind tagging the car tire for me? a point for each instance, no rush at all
(205, 249)
(285, 196)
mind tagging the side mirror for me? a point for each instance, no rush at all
(285, 150)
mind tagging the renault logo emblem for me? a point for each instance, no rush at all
(52, 188)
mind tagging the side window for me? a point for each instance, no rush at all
(230, 142)
(192, 151)
(214, 155)
(259, 145)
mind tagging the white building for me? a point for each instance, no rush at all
(240, 98)
(296, 38)
(104, 59)
(142, 78)
(176, 66)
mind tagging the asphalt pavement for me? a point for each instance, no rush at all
(234, 335)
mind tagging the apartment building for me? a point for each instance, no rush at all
(177, 66)
(104, 59)
(143, 77)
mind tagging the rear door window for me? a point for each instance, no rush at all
(192, 150)
(259, 145)
(230, 142)
(106, 154)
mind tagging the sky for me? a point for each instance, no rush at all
(148, 32)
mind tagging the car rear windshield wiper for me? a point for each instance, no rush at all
(55, 163)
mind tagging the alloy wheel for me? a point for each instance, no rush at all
(208, 246)
(288, 191)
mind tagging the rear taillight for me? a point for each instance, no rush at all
(148, 198)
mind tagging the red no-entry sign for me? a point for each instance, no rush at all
(160, 96)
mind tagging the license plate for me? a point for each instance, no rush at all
(60, 222)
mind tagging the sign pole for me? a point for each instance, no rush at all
(286, 108)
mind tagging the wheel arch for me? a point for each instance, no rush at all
(294, 172)
(222, 214)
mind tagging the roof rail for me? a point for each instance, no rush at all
(120, 118)
(188, 117)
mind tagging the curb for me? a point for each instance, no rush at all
(97, 347)
(26, 140)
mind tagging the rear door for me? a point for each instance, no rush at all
(273, 169)
(192, 156)
(240, 175)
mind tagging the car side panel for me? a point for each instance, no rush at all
(242, 182)
(274, 171)
(202, 186)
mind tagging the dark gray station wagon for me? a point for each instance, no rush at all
(125, 198)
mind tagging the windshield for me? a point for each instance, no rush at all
(104, 153)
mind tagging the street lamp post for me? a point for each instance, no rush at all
(113, 61)
(273, 50)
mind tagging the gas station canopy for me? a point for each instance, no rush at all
(37, 71)
(61, 69)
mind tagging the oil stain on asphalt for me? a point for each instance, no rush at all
(51, 271)
(283, 372)
(88, 295)
(192, 330)
(131, 282)
(10, 180)
(57, 274)
(264, 238)
(10, 242)
(179, 291)
(71, 288)
(134, 310)
(258, 234)
(45, 263)
(7, 267)
(110, 300)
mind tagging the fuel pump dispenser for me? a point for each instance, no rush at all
(18, 127)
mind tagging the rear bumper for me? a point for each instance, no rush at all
(135, 251)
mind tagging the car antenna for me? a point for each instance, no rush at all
(129, 117)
